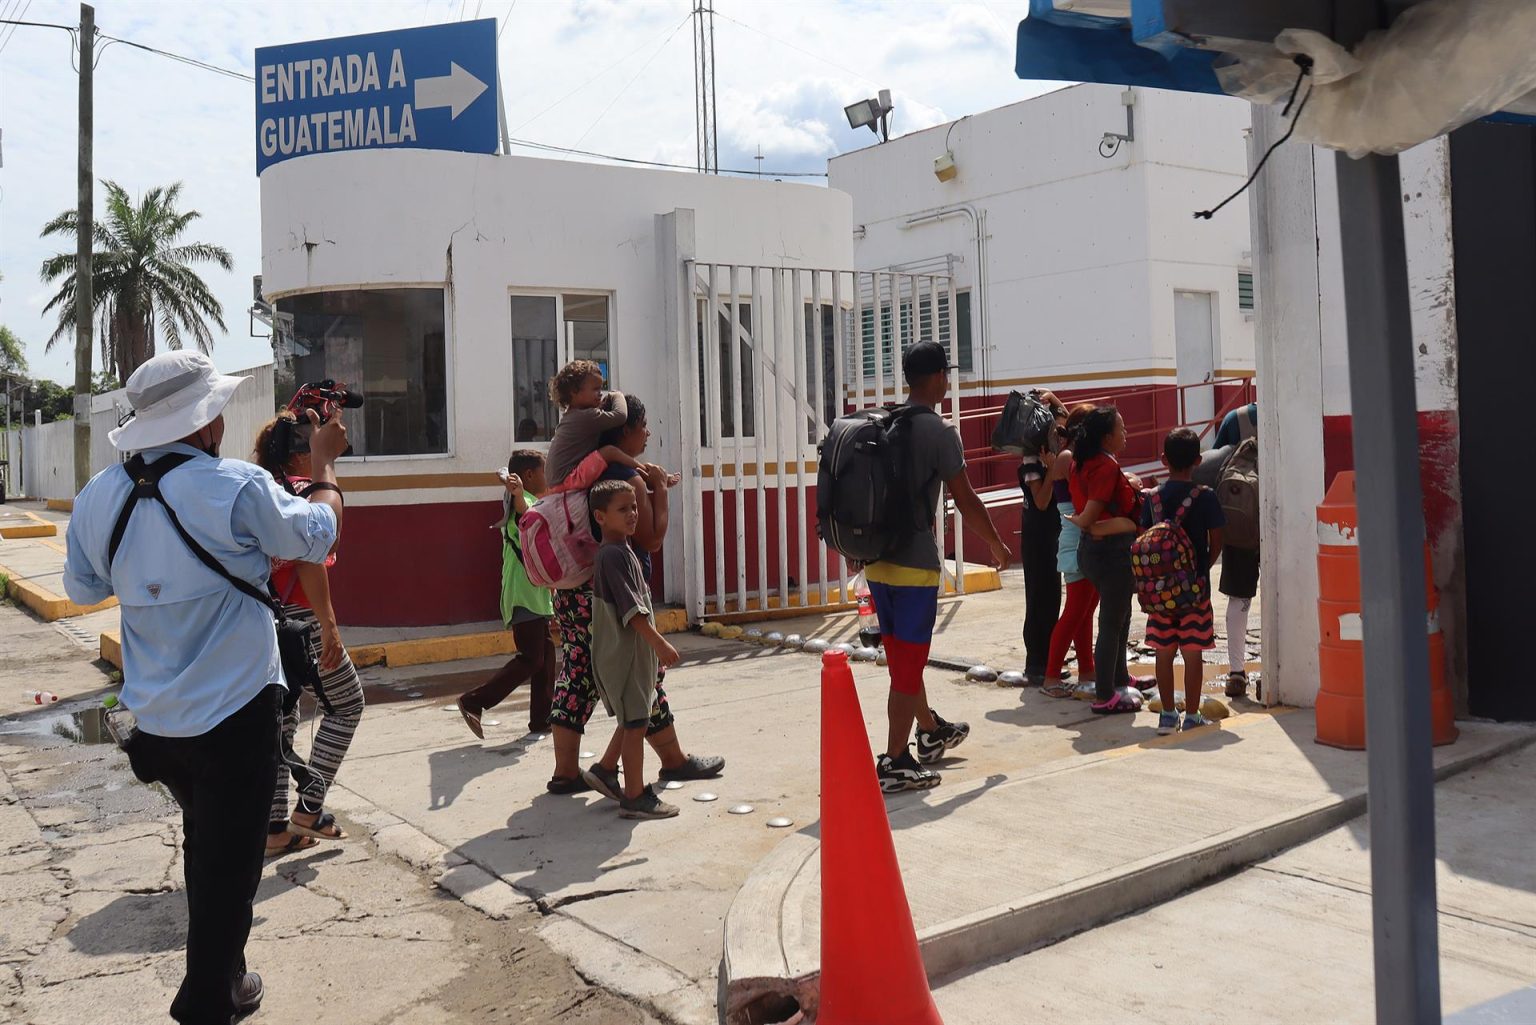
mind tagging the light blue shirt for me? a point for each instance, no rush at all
(195, 650)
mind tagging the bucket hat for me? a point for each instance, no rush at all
(173, 395)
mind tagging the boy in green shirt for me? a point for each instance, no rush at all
(525, 608)
(627, 650)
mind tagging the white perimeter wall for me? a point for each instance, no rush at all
(483, 225)
(1083, 253)
(43, 458)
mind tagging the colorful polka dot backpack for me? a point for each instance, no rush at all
(1163, 561)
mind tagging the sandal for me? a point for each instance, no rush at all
(325, 828)
(295, 843)
(564, 785)
(1062, 689)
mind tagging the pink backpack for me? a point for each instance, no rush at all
(558, 547)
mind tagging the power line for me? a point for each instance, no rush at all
(506, 18)
(594, 78)
(194, 62)
(7, 40)
(792, 46)
(530, 144)
(626, 86)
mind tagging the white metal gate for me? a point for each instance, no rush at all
(773, 355)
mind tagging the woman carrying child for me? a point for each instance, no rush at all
(1107, 501)
(305, 591)
(576, 692)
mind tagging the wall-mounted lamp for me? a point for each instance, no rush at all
(1109, 145)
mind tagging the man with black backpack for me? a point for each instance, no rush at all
(185, 540)
(924, 453)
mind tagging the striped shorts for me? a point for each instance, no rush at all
(1192, 628)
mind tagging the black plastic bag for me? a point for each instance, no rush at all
(1026, 424)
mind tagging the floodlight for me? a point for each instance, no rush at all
(865, 113)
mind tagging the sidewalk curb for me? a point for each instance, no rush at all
(39, 527)
(49, 607)
(753, 954)
(454, 647)
(654, 985)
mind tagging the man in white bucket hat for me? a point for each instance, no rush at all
(200, 661)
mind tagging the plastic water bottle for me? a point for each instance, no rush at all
(40, 697)
(121, 723)
(869, 624)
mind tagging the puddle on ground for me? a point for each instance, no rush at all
(80, 725)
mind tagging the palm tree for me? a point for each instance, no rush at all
(144, 288)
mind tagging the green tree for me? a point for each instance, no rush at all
(145, 289)
(13, 354)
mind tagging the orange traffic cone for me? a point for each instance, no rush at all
(871, 972)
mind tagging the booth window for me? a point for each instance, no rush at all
(387, 343)
(549, 331)
(914, 329)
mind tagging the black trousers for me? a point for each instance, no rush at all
(1038, 541)
(223, 782)
(1107, 563)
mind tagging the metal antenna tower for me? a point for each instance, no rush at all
(705, 124)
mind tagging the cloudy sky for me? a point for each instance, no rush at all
(612, 76)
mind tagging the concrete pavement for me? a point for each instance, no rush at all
(93, 917)
(1289, 941)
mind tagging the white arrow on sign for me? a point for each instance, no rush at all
(455, 90)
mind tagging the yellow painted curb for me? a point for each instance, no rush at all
(39, 527)
(978, 580)
(61, 505)
(428, 650)
(112, 647)
(48, 606)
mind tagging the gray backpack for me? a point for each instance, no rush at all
(1238, 491)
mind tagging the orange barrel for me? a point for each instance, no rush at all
(1341, 656)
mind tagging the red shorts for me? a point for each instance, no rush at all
(1192, 628)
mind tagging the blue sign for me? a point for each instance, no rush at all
(422, 88)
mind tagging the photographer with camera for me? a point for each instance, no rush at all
(283, 450)
(185, 539)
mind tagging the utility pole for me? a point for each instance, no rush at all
(84, 232)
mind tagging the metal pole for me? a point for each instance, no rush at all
(1393, 606)
(84, 222)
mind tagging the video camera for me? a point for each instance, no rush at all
(327, 398)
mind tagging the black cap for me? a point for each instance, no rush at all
(925, 358)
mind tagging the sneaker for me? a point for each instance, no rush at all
(471, 719)
(1194, 720)
(1167, 722)
(604, 780)
(696, 767)
(903, 773)
(248, 992)
(562, 785)
(931, 745)
(1237, 685)
(646, 806)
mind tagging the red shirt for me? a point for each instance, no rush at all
(285, 574)
(1101, 479)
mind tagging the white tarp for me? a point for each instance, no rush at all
(1442, 64)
